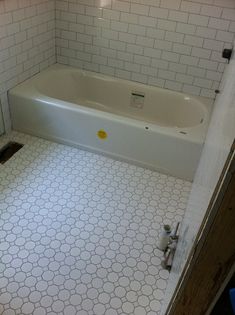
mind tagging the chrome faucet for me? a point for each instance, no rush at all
(169, 252)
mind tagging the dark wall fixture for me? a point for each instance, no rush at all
(227, 54)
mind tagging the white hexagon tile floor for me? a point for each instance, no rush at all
(79, 232)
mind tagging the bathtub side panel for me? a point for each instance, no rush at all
(125, 139)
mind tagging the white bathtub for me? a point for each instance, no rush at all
(154, 127)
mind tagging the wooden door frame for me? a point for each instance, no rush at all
(213, 253)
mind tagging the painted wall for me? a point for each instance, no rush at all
(27, 43)
(174, 44)
(219, 140)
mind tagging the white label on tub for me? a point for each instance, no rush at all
(137, 99)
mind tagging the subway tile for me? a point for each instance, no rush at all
(221, 67)
(166, 25)
(91, 66)
(99, 41)
(83, 38)
(206, 32)
(182, 49)
(218, 24)
(107, 70)
(129, 18)
(133, 67)
(184, 78)
(201, 52)
(208, 64)
(99, 59)
(137, 29)
(189, 60)
(132, 48)
(139, 77)
(121, 6)
(173, 85)
(116, 44)
(207, 93)
(128, 38)
(110, 34)
(147, 21)
(217, 56)
(228, 14)
(163, 44)
(111, 14)
(197, 19)
(170, 4)
(159, 63)
(155, 33)
(213, 44)
(177, 67)
(94, 11)
(156, 81)
(123, 74)
(115, 63)
(112, 53)
(144, 41)
(74, 8)
(225, 3)
(101, 23)
(196, 71)
(84, 19)
(125, 56)
(91, 49)
(83, 56)
(158, 12)
(150, 71)
(170, 56)
(225, 36)
(152, 52)
(185, 28)
(193, 41)
(166, 74)
(142, 60)
(214, 75)
(119, 26)
(174, 37)
(204, 83)
(178, 16)
(139, 9)
(191, 89)
(189, 6)
(211, 10)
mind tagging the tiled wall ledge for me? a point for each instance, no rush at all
(27, 43)
(173, 44)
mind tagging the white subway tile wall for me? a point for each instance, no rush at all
(173, 44)
(27, 43)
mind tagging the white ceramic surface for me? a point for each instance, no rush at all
(70, 105)
(79, 232)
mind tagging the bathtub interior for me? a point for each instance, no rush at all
(128, 99)
(93, 111)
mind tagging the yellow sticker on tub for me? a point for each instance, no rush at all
(102, 134)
